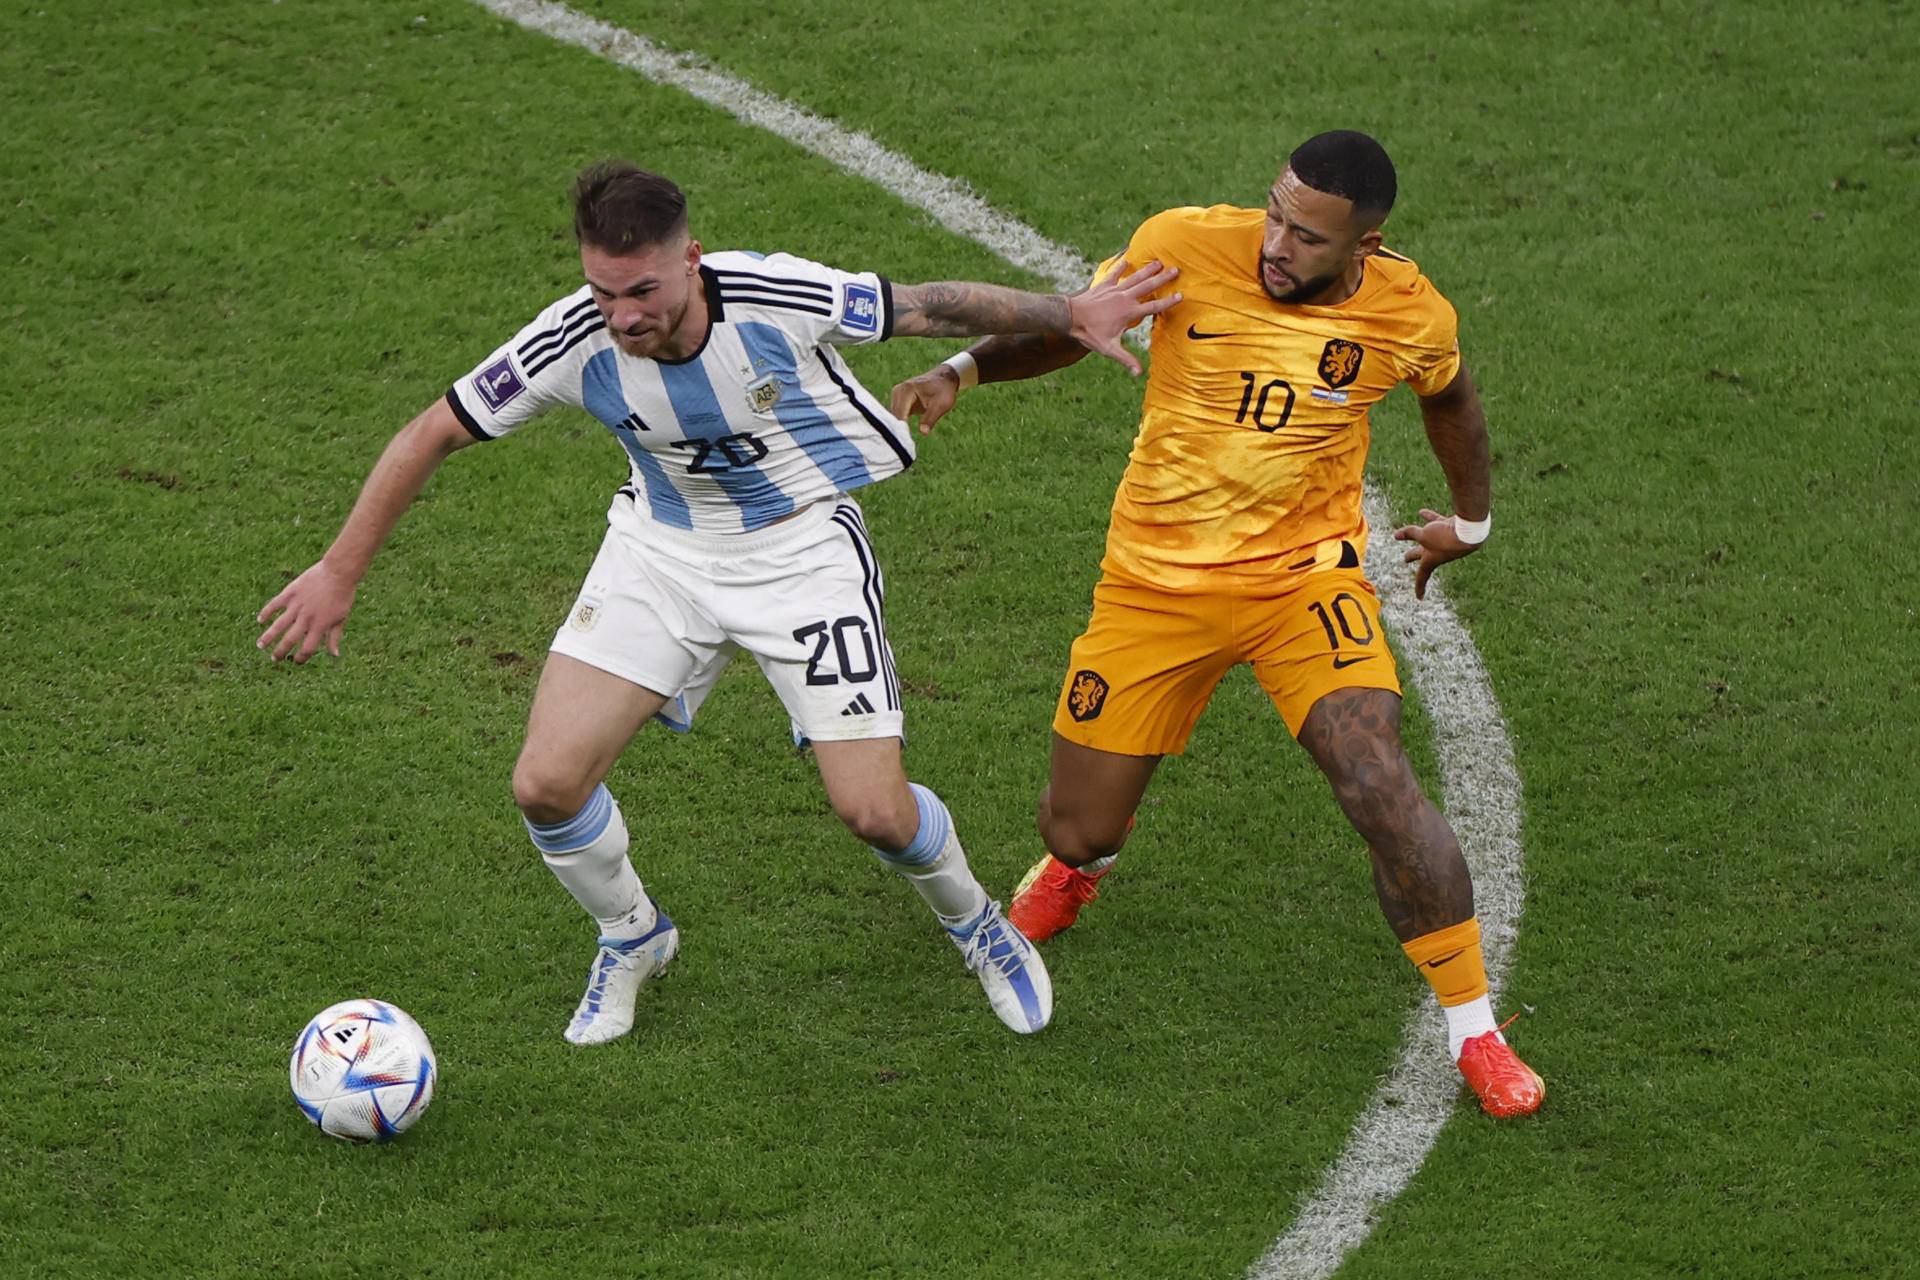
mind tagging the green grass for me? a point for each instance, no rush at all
(245, 241)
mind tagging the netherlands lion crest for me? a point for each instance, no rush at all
(1340, 362)
(1086, 695)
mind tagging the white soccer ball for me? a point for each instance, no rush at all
(363, 1070)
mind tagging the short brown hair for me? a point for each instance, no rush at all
(620, 208)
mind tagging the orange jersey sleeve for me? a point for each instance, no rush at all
(1253, 431)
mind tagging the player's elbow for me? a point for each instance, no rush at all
(1454, 399)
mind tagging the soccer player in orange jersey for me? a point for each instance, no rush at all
(1236, 536)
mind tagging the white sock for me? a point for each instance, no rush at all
(1465, 1021)
(635, 922)
(588, 855)
(948, 886)
(936, 866)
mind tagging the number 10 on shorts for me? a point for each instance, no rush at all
(1339, 621)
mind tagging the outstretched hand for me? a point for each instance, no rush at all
(313, 610)
(1113, 305)
(1435, 544)
(928, 397)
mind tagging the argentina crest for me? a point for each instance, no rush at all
(764, 393)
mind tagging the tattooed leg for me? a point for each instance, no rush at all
(1418, 872)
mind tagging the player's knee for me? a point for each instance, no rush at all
(546, 798)
(880, 820)
(1079, 838)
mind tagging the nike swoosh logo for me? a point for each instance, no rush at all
(1195, 333)
(1347, 662)
(1435, 964)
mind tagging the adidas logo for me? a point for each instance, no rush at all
(858, 707)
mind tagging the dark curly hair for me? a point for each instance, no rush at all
(1350, 165)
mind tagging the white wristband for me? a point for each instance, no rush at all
(963, 364)
(1473, 532)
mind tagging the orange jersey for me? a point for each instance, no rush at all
(1253, 432)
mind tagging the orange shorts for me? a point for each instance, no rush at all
(1150, 659)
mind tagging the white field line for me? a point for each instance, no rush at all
(952, 204)
(1480, 786)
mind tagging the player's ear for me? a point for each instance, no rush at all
(693, 257)
(1368, 242)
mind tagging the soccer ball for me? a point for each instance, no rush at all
(363, 1070)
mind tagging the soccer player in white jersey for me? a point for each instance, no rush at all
(745, 433)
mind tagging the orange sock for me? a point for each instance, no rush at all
(1450, 960)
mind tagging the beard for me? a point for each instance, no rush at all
(649, 338)
(1300, 290)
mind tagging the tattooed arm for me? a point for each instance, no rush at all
(1096, 317)
(1031, 341)
(965, 309)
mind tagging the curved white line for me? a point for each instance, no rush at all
(1480, 786)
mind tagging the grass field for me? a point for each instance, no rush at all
(244, 241)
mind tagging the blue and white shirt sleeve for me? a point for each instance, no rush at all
(536, 370)
(820, 303)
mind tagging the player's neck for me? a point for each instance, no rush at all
(1342, 289)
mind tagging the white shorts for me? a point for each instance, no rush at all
(667, 610)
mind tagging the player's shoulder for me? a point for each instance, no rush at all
(570, 313)
(565, 326)
(1400, 285)
(1400, 275)
(1204, 242)
(567, 304)
(1196, 223)
(774, 284)
(734, 265)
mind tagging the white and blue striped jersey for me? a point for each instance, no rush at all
(762, 421)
